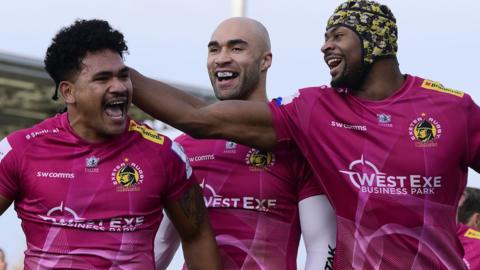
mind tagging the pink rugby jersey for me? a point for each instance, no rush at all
(90, 205)
(394, 170)
(470, 239)
(252, 198)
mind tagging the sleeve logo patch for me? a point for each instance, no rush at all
(4, 148)
(146, 133)
(436, 86)
(471, 233)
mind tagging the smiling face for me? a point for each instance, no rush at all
(343, 55)
(99, 96)
(238, 59)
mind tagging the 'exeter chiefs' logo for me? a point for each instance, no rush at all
(425, 131)
(127, 176)
(259, 159)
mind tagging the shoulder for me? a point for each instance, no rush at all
(32, 135)
(306, 94)
(183, 138)
(468, 232)
(436, 89)
(147, 135)
(21, 141)
(158, 144)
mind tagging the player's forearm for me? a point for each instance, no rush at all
(201, 251)
(161, 100)
(245, 122)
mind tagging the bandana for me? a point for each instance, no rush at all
(375, 25)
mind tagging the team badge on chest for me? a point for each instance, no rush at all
(259, 160)
(127, 176)
(425, 131)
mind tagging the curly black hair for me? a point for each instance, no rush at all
(70, 45)
(470, 206)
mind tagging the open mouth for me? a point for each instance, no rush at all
(116, 109)
(333, 63)
(226, 75)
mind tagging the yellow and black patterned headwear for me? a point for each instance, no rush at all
(373, 22)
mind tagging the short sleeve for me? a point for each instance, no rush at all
(309, 186)
(288, 116)
(281, 120)
(8, 183)
(179, 173)
(291, 116)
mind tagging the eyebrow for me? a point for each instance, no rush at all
(231, 42)
(331, 30)
(123, 70)
(109, 73)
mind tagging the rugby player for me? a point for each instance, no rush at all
(90, 184)
(258, 201)
(393, 180)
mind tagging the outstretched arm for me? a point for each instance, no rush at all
(189, 216)
(318, 223)
(245, 122)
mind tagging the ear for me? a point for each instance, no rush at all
(67, 91)
(475, 220)
(266, 61)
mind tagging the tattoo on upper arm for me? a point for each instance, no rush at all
(192, 205)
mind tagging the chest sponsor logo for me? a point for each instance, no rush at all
(202, 158)
(215, 200)
(258, 160)
(471, 233)
(365, 176)
(4, 148)
(127, 176)
(91, 164)
(56, 175)
(425, 131)
(384, 120)
(35, 134)
(64, 216)
(336, 124)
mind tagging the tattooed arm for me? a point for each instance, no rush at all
(189, 216)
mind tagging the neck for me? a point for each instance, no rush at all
(382, 80)
(82, 130)
(259, 93)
